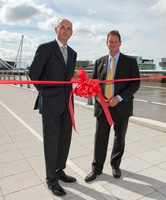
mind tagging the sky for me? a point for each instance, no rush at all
(142, 25)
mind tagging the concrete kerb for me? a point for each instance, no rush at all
(160, 126)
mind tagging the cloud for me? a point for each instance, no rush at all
(81, 29)
(141, 24)
(23, 12)
(9, 39)
(6, 52)
(91, 11)
(49, 24)
(159, 8)
(16, 13)
(86, 30)
(12, 42)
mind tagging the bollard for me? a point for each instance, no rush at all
(90, 101)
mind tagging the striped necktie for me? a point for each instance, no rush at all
(110, 76)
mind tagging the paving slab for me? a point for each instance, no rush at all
(22, 167)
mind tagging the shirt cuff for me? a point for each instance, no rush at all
(120, 98)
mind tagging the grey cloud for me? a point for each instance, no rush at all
(21, 12)
(17, 13)
(24, 13)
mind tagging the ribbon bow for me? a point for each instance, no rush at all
(88, 88)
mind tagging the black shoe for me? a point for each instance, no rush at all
(57, 190)
(116, 172)
(92, 176)
(65, 178)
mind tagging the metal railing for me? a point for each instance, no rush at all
(23, 75)
(15, 75)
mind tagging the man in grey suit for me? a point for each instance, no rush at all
(120, 104)
(55, 61)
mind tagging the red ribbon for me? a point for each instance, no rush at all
(86, 88)
(76, 81)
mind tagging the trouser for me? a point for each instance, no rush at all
(101, 142)
(56, 138)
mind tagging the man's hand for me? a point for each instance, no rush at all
(113, 102)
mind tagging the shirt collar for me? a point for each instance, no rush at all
(60, 44)
(116, 57)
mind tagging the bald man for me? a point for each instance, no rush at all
(55, 61)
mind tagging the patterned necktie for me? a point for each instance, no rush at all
(110, 76)
(64, 53)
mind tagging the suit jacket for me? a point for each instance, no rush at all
(49, 65)
(126, 68)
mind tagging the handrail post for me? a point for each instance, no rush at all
(19, 74)
(27, 77)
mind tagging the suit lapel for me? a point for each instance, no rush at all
(68, 56)
(119, 64)
(103, 69)
(58, 51)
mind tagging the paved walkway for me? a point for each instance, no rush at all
(22, 170)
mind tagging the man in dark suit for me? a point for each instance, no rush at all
(50, 64)
(120, 104)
